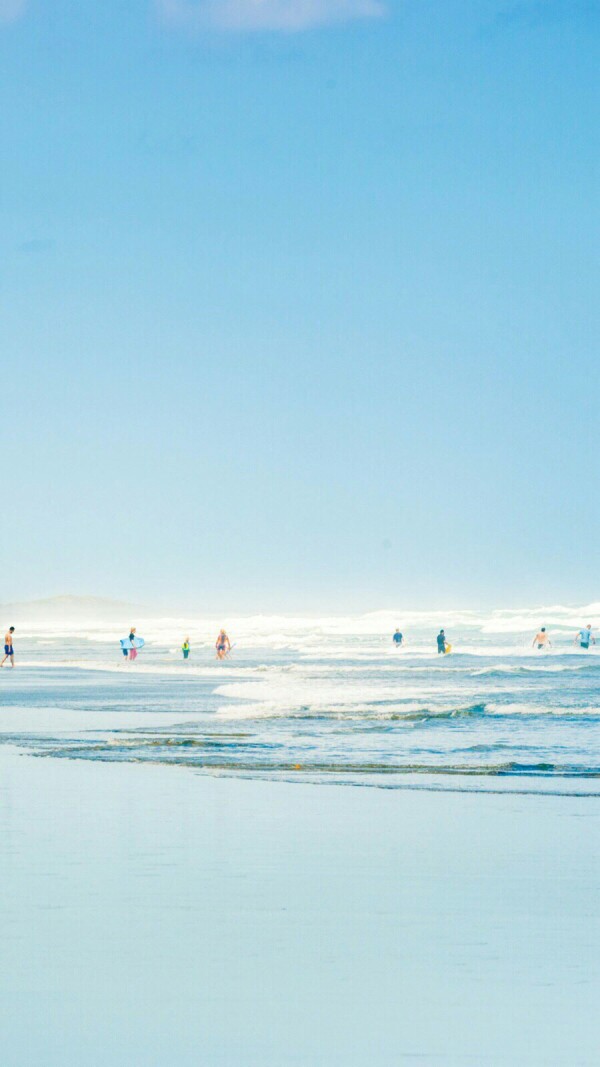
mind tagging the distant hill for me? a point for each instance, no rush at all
(72, 609)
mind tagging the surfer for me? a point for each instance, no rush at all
(133, 650)
(398, 638)
(185, 648)
(223, 645)
(441, 642)
(9, 652)
(541, 639)
(585, 637)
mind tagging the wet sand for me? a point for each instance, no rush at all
(156, 916)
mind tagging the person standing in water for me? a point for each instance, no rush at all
(398, 638)
(185, 648)
(132, 651)
(9, 652)
(541, 640)
(585, 637)
(441, 642)
(223, 645)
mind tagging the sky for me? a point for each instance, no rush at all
(299, 302)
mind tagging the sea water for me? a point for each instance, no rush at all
(326, 700)
(160, 907)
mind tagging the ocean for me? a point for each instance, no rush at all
(322, 699)
(192, 875)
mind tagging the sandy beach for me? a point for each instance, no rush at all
(156, 916)
(300, 615)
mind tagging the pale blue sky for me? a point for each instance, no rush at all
(299, 301)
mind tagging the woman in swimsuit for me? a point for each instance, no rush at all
(223, 645)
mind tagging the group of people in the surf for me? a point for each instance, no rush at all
(443, 646)
(583, 638)
(131, 645)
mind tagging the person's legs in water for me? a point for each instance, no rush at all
(133, 653)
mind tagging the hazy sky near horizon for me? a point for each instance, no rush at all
(299, 301)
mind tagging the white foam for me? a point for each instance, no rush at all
(279, 632)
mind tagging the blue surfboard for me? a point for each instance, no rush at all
(138, 642)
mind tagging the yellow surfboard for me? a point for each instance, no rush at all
(448, 649)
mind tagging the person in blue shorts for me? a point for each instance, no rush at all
(397, 639)
(441, 642)
(9, 652)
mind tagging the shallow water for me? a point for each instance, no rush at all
(324, 700)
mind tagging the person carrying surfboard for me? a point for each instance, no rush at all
(185, 648)
(131, 645)
(441, 642)
(223, 645)
(133, 650)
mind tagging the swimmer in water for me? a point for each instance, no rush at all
(541, 640)
(585, 637)
(223, 645)
(398, 638)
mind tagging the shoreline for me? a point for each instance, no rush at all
(97, 731)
